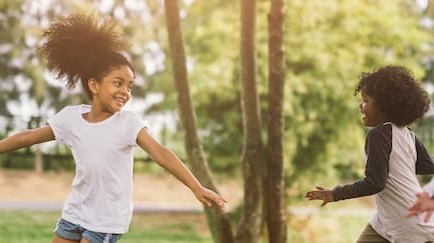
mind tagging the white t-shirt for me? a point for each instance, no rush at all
(101, 194)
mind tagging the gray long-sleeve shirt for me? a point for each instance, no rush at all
(394, 156)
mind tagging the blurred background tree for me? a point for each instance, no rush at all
(327, 44)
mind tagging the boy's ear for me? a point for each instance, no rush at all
(92, 84)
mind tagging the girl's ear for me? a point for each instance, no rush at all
(92, 84)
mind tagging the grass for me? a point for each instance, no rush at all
(339, 222)
(26, 227)
(37, 227)
(165, 228)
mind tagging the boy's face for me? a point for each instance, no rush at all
(371, 114)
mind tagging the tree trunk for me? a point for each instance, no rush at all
(275, 203)
(34, 122)
(218, 222)
(39, 166)
(253, 151)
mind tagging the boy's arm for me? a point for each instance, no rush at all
(26, 138)
(378, 147)
(169, 161)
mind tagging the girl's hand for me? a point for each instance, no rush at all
(320, 194)
(423, 204)
(208, 198)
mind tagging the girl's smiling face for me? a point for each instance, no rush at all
(372, 116)
(114, 90)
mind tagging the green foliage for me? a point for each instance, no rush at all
(11, 39)
(212, 45)
(329, 43)
(24, 159)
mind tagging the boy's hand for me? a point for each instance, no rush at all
(320, 194)
(423, 204)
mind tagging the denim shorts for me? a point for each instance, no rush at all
(70, 231)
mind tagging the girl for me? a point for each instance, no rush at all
(423, 203)
(391, 100)
(101, 135)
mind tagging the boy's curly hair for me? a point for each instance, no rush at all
(395, 93)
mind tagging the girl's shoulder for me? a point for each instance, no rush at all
(128, 114)
(72, 108)
(67, 116)
(131, 119)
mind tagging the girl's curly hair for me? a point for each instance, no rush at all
(79, 47)
(395, 93)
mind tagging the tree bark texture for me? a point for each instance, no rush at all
(253, 152)
(218, 222)
(274, 180)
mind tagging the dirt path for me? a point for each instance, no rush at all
(155, 192)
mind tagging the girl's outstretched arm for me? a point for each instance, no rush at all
(422, 204)
(169, 161)
(26, 138)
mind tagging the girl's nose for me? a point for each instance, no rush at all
(126, 90)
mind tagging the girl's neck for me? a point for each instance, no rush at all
(96, 115)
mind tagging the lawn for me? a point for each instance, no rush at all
(37, 227)
(339, 222)
(308, 223)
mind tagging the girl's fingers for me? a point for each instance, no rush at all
(412, 207)
(410, 214)
(413, 212)
(428, 215)
(206, 202)
(211, 198)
